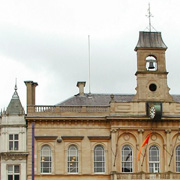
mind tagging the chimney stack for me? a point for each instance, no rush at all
(31, 92)
(81, 85)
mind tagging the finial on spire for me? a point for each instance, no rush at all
(15, 88)
(149, 17)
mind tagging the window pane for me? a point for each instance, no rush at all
(46, 170)
(154, 164)
(16, 136)
(16, 177)
(99, 159)
(10, 145)
(16, 169)
(178, 159)
(10, 177)
(127, 159)
(10, 169)
(10, 136)
(46, 159)
(73, 167)
(151, 168)
(72, 159)
(16, 145)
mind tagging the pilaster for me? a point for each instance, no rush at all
(113, 149)
(140, 133)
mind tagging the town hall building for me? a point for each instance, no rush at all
(109, 136)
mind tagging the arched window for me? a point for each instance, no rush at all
(46, 159)
(154, 159)
(73, 159)
(127, 160)
(151, 63)
(178, 159)
(99, 159)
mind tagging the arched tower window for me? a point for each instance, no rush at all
(151, 63)
(178, 159)
(154, 159)
(73, 159)
(127, 159)
(46, 159)
(99, 159)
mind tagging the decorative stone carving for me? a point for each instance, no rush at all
(153, 137)
(140, 130)
(113, 130)
(167, 130)
(126, 137)
(112, 98)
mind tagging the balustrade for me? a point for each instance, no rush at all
(76, 109)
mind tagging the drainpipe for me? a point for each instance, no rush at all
(33, 151)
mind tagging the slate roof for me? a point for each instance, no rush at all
(176, 98)
(150, 40)
(101, 99)
(94, 100)
(15, 106)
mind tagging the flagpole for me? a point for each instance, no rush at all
(147, 142)
(116, 149)
(144, 155)
(173, 149)
(89, 64)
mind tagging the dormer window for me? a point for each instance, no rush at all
(151, 63)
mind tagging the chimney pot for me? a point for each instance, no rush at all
(81, 85)
(31, 92)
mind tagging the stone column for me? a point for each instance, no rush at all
(140, 132)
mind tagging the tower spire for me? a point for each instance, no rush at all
(15, 88)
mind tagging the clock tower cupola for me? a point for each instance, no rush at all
(151, 68)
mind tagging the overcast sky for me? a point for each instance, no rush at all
(46, 41)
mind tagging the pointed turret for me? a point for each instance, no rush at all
(15, 106)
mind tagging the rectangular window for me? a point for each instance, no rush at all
(13, 141)
(13, 172)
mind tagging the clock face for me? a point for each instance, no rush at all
(152, 112)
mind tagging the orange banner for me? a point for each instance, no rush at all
(143, 144)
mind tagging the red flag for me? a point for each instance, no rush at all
(143, 144)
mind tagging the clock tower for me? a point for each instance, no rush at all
(151, 69)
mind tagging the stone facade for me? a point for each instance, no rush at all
(98, 136)
(13, 141)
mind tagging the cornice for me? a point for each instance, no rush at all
(46, 137)
(99, 138)
(14, 153)
(72, 137)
